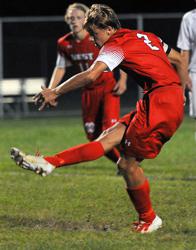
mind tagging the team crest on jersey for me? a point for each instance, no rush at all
(89, 127)
(69, 46)
(113, 121)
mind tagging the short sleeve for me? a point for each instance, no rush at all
(183, 41)
(166, 47)
(111, 56)
(62, 62)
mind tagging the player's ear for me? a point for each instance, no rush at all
(109, 30)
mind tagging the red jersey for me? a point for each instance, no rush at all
(141, 55)
(82, 54)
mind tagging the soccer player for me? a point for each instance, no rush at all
(141, 133)
(187, 43)
(100, 99)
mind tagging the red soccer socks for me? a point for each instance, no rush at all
(80, 153)
(140, 196)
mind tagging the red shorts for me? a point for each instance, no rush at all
(155, 120)
(100, 110)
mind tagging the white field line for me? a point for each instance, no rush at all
(172, 178)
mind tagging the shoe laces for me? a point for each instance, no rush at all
(37, 153)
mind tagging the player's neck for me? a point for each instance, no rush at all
(80, 35)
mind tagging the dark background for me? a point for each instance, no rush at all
(33, 7)
(29, 47)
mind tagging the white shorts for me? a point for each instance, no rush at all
(192, 96)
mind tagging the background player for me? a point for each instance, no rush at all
(141, 133)
(100, 100)
(187, 43)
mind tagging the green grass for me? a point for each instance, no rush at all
(85, 206)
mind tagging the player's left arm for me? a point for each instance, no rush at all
(81, 79)
(77, 81)
(121, 85)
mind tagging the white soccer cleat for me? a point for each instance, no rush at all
(144, 227)
(36, 164)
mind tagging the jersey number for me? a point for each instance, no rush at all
(147, 41)
(83, 66)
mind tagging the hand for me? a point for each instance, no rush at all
(189, 84)
(38, 99)
(47, 97)
(119, 88)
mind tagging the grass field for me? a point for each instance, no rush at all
(85, 206)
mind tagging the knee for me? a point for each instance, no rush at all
(111, 137)
(126, 167)
(122, 166)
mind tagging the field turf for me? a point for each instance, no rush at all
(85, 206)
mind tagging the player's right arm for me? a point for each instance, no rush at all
(181, 66)
(121, 85)
(186, 58)
(184, 44)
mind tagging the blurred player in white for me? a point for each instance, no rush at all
(187, 44)
(101, 99)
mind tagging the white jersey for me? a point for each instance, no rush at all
(187, 37)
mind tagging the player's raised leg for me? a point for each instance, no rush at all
(80, 153)
(29, 162)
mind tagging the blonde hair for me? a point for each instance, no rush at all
(79, 6)
(101, 16)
